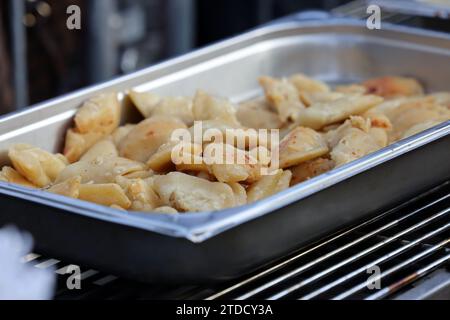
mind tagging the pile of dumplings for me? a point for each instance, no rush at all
(130, 166)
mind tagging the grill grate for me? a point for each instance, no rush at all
(406, 244)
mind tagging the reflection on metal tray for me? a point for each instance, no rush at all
(426, 8)
(222, 245)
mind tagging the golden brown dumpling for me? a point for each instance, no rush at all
(100, 170)
(78, 143)
(391, 87)
(322, 114)
(109, 194)
(165, 210)
(186, 193)
(121, 133)
(141, 174)
(144, 102)
(442, 98)
(410, 114)
(96, 119)
(351, 89)
(355, 139)
(100, 114)
(258, 115)
(310, 169)
(69, 188)
(104, 148)
(283, 96)
(208, 107)
(415, 129)
(36, 165)
(304, 83)
(301, 145)
(140, 193)
(311, 98)
(150, 104)
(146, 138)
(240, 194)
(175, 153)
(239, 167)
(269, 185)
(377, 119)
(10, 175)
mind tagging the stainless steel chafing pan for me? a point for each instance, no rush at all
(210, 246)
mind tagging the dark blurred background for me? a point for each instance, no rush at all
(41, 58)
(116, 37)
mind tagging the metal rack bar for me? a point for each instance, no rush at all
(409, 279)
(373, 263)
(334, 252)
(355, 257)
(413, 259)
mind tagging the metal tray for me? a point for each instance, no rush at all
(210, 246)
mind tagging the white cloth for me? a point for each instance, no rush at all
(19, 281)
